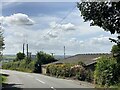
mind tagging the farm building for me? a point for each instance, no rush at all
(88, 59)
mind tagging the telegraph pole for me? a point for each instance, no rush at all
(27, 50)
(64, 52)
(23, 48)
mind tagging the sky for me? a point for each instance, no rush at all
(48, 27)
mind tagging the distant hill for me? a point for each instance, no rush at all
(12, 57)
(9, 56)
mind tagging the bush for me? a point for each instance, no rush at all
(19, 65)
(44, 58)
(69, 70)
(89, 76)
(105, 72)
(26, 64)
(20, 56)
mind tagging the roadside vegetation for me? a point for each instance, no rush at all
(3, 78)
(75, 71)
(26, 64)
(105, 15)
(107, 72)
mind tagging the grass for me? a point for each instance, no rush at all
(116, 86)
(3, 78)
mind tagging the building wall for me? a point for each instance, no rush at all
(43, 70)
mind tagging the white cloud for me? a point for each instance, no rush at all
(1, 19)
(64, 27)
(57, 29)
(102, 40)
(52, 35)
(80, 39)
(68, 27)
(17, 19)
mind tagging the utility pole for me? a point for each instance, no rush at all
(23, 48)
(64, 52)
(27, 51)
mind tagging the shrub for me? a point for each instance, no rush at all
(105, 72)
(79, 72)
(68, 70)
(44, 58)
(89, 76)
(20, 56)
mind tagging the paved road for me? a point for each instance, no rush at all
(33, 80)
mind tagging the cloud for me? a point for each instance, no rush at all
(57, 29)
(52, 35)
(17, 19)
(78, 37)
(68, 26)
(64, 27)
(102, 40)
(1, 19)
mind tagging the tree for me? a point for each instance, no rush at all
(115, 50)
(42, 58)
(1, 41)
(105, 15)
(106, 72)
(102, 14)
(20, 56)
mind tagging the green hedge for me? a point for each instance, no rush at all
(20, 66)
(106, 72)
(70, 70)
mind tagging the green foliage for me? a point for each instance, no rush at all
(44, 58)
(102, 14)
(115, 49)
(1, 40)
(37, 67)
(20, 56)
(27, 64)
(3, 79)
(106, 72)
(89, 76)
(116, 52)
(20, 66)
(69, 70)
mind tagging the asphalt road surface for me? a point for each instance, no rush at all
(18, 79)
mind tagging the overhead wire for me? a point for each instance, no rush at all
(62, 19)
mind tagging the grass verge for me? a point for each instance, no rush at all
(3, 78)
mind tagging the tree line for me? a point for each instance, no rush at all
(23, 63)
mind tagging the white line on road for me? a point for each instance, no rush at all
(40, 81)
(53, 88)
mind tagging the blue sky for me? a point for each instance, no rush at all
(35, 8)
(34, 22)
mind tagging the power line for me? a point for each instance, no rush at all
(63, 19)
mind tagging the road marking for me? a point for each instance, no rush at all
(53, 88)
(40, 81)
